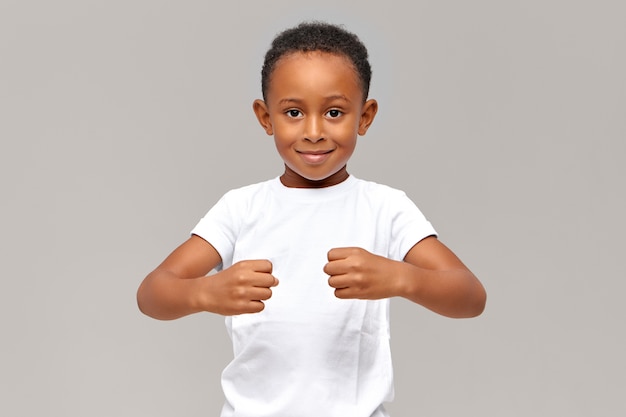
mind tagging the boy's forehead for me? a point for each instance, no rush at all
(302, 61)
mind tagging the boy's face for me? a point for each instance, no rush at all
(314, 108)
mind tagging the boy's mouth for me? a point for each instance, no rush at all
(315, 157)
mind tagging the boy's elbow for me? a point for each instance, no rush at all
(477, 305)
(146, 308)
(142, 298)
(476, 310)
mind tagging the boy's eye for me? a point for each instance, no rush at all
(294, 113)
(333, 113)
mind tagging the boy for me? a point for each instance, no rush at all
(307, 262)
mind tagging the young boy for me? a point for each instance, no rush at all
(307, 262)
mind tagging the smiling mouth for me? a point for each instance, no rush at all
(315, 152)
(315, 157)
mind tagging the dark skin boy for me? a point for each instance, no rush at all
(315, 110)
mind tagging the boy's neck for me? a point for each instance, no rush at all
(293, 180)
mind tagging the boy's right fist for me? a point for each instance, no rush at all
(240, 289)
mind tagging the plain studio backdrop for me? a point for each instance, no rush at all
(123, 122)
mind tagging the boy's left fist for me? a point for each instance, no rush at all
(357, 273)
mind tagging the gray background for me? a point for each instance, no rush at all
(122, 122)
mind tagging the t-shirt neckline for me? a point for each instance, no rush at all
(304, 194)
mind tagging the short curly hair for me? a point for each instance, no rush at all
(318, 36)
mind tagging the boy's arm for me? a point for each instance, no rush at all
(431, 275)
(179, 286)
(435, 277)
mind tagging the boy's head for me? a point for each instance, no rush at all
(323, 37)
(315, 85)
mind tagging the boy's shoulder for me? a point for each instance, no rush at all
(251, 189)
(251, 195)
(376, 185)
(369, 186)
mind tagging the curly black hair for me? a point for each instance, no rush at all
(318, 36)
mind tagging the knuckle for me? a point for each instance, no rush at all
(356, 265)
(240, 278)
(359, 281)
(355, 251)
(239, 293)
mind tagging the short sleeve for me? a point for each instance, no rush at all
(408, 226)
(219, 228)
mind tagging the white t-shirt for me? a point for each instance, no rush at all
(309, 353)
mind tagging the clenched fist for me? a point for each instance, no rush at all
(242, 288)
(357, 273)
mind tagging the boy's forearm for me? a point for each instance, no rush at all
(165, 296)
(455, 293)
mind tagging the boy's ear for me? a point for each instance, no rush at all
(370, 108)
(263, 116)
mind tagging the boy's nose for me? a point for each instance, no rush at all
(313, 132)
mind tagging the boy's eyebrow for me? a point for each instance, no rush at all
(328, 99)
